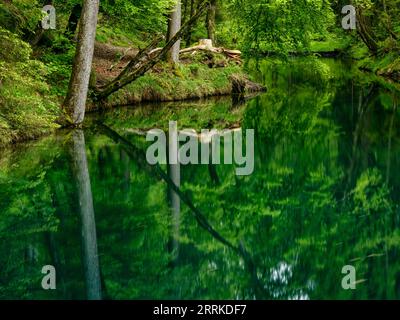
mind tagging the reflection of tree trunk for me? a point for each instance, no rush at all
(175, 175)
(388, 166)
(189, 31)
(174, 172)
(127, 173)
(136, 154)
(174, 24)
(363, 106)
(89, 240)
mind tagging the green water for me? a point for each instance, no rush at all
(325, 193)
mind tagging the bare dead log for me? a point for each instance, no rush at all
(206, 45)
(242, 86)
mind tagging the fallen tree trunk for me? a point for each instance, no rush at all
(231, 54)
(206, 45)
(242, 86)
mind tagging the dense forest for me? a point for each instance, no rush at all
(83, 81)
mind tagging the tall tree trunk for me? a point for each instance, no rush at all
(189, 31)
(75, 102)
(73, 20)
(174, 25)
(89, 238)
(185, 11)
(212, 10)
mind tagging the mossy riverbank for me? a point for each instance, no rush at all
(197, 76)
(30, 101)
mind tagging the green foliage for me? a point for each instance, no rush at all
(194, 80)
(137, 15)
(281, 26)
(20, 16)
(58, 60)
(26, 107)
(324, 194)
(120, 37)
(370, 193)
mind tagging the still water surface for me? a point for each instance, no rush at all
(325, 193)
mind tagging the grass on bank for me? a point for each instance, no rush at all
(185, 81)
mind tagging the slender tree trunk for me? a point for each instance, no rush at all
(185, 11)
(174, 172)
(89, 238)
(75, 102)
(389, 153)
(125, 162)
(211, 25)
(73, 20)
(189, 31)
(174, 25)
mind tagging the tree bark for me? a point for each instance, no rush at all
(75, 102)
(174, 25)
(89, 239)
(174, 172)
(189, 31)
(211, 25)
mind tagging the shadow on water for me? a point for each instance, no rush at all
(80, 173)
